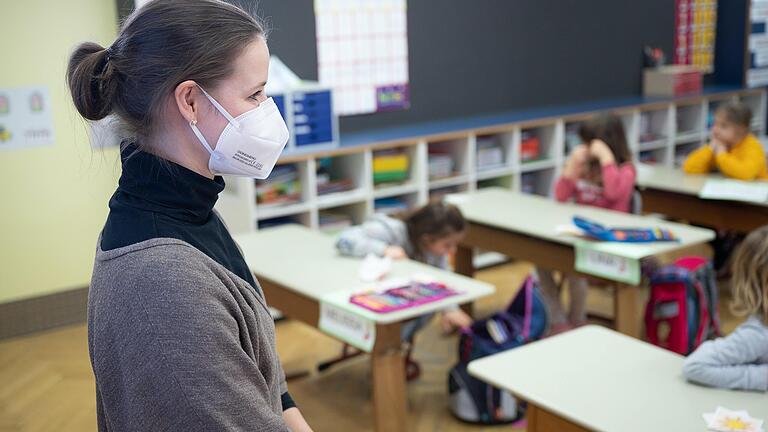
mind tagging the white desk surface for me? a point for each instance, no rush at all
(606, 381)
(539, 217)
(671, 179)
(675, 180)
(307, 262)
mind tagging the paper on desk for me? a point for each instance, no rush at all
(569, 230)
(735, 190)
(725, 420)
(374, 268)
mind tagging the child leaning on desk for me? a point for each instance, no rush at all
(599, 172)
(740, 360)
(733, 150)
(428, 235)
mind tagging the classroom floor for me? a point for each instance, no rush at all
(48, 384)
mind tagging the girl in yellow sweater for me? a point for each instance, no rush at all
(733, 150)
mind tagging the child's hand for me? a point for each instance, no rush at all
(599, 150)
(395, 252)
(576, 161)
(717, 146)
(454, 319)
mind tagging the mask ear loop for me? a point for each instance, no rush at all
(221, 109)
(200, 137)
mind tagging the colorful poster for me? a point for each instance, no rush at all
(362, 53)
(25, 118)
(695, 26)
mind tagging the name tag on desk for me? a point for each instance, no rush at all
(591, 260)
(347, 326)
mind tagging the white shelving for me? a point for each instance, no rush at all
(489, 156)
(337, 199)
(494, 173)
(390, 191)
(447, 182)
(538, 165)
(276, 211)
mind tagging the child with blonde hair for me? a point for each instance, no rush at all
(740, 360)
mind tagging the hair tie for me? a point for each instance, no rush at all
(108, 55)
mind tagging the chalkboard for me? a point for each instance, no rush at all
(470, 57)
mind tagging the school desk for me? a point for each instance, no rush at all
(673, 193)
(303, 276)
(595, 379)
(524, 227)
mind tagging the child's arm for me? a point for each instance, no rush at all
(373, 236)
(744, 166)
(731, 362)
(699, 161)
(618, 182)
(565, 187)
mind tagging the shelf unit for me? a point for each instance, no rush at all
(677, 126)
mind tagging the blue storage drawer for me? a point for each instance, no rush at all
(280, 102)
(314, 137)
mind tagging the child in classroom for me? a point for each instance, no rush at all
(740, 360)
(732, 150)
(599, 172)
(736, 153)
(430, 235)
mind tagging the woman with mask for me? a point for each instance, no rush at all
(180, 336)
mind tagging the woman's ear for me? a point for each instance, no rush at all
(186, 95)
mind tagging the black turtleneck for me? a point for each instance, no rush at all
(156, 198)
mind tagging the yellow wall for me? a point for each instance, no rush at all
(53, 200)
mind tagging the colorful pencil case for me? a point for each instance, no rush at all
(625, 235)
(403, 297)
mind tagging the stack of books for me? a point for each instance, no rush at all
(529, 147)
(390, 205)
(390, 166)
(282, 187)
(440, 165)
(489, 154)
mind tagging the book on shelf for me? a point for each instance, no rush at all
(333, 186)
(333, 222)
(440, 165)
(390, 166)
(391, 205)
(530, 146)
(282, 187)
(326, 183)
(490, 155)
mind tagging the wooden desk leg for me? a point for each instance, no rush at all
(388, 367)
(627, 316)
(463, 261)
(540, 420)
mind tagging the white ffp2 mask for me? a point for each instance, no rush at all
(250, 144)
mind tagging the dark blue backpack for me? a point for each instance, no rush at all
(525, 320)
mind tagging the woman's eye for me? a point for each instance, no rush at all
(256, 95)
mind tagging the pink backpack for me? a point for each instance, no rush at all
(682, 310)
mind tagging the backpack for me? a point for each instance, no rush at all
(682, 311)
(525, 320)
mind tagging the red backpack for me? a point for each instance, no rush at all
(682, 310)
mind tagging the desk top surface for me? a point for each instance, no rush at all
(306, 261)
(539, 217)
(606, 381)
